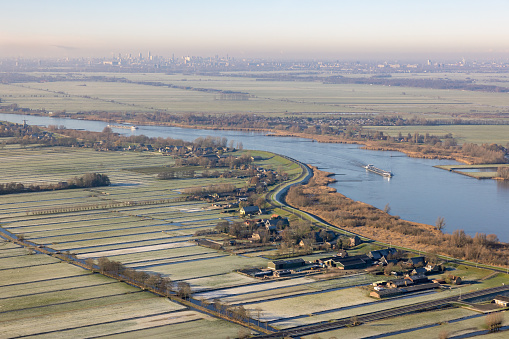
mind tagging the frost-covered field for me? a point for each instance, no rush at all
(64, 301)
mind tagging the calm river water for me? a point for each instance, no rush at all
(417, 192)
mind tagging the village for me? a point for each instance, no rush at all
(401, 272)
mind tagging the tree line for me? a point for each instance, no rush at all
(151, 281)
(85, 181)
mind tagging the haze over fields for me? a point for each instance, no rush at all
(276, 29)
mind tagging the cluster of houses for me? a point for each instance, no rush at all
(415, 267)
(191, 150)
(342, 260)
(271, 227)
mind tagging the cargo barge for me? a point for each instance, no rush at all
(378, 171)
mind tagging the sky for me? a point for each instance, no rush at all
(285, 29)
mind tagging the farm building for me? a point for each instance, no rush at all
(282, 273)
(250, 210)
(263, 274)
(396, 283)
(286, 264)
(398, 291)
(349, 263)
(501, 300)
(418, 279)
(386, 261)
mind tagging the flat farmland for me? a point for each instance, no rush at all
(405, 326)
(57, 296)
(348, 302)
(275, 97)
(477, 134)
(65, 301)
(153, 237)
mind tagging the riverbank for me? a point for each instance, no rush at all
(423, 151)
(319, 199)
(417, 192)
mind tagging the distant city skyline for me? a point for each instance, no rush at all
(365, 30)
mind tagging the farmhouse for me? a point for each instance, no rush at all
(250, 210)
(433, 268)
(354, 241)
(416, 262)
(273, 224)
(386, 261)
(396, 283)
(286, 264)
(419, 270)
(377, 255)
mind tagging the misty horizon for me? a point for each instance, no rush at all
(280, 30)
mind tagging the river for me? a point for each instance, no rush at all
(417, 192)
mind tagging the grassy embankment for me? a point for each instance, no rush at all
(488, 171)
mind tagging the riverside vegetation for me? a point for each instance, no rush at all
(317, 198)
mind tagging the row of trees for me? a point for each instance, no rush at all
(182, 174)
(210, 189)
(151, 281)
(235, 312)
(84, 181)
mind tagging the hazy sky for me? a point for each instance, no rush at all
(258, 28)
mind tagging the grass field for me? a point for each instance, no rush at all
(64, 301)
(403, 323)
(156, 238)
(477, 134)
(266, 97)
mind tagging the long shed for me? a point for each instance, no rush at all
(286, 264)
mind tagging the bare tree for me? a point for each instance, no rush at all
(494, 321)
(387, 208)
(183, 289)
(440, 223)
